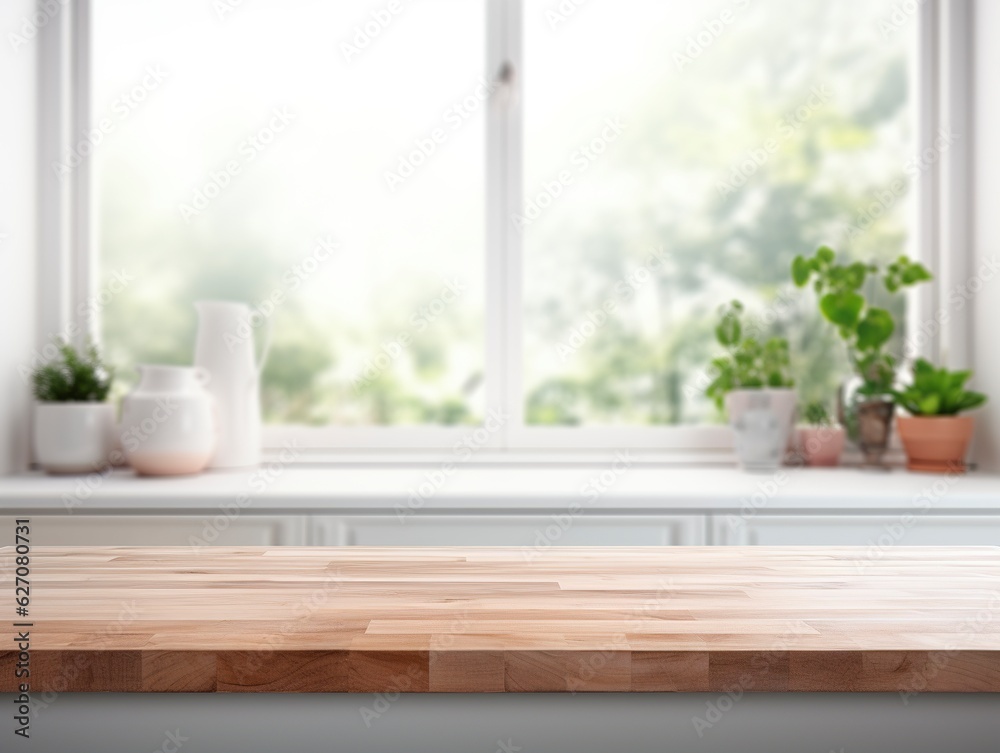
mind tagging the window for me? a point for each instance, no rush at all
(678, 155)
(450, 210)
(322, 161)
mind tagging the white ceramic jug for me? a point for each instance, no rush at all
(168, 423)
(224, 347)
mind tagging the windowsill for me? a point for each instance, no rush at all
(477, 489)
(715, 456)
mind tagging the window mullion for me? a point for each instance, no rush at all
(83, 246)
(503, 282)
(514, 352)
(55, 129)
(954, 67)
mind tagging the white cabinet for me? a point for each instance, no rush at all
(162, 530)
(536, 532)
(857, 530)
(530, 531)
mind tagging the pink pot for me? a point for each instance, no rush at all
(821, 446)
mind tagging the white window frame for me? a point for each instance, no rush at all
(67, 257)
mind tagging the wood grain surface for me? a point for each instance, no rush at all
(386, 620)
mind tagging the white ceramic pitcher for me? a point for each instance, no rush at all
(224, 347)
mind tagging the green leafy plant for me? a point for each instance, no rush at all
(748, 363)
(938, 392)
(865, 328)
(816, 414)
(75, 376)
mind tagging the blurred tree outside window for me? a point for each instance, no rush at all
(676, 155)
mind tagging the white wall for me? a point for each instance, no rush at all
(18, 231)
(986, 223)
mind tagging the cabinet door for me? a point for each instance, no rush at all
(857, 530)
(162, 530)
(539, 532)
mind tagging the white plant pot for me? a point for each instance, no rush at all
(762, 421)
(73, 437)
(168, 422)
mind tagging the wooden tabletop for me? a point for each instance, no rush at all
(720, 619)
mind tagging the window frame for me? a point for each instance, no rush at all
(68, 258)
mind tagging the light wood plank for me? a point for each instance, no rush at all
(643, 619)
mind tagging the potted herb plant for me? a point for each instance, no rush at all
(753, 382)
(934, 435)
(821, 439)
(866, 329)
(73, 422)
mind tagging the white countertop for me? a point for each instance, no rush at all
(502, 489)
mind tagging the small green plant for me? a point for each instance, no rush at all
(816, 414)
(73, 377)
(748, 363)
(938, 392)
(865, 328)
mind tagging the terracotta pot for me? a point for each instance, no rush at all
(936, 444)
(821, 446)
